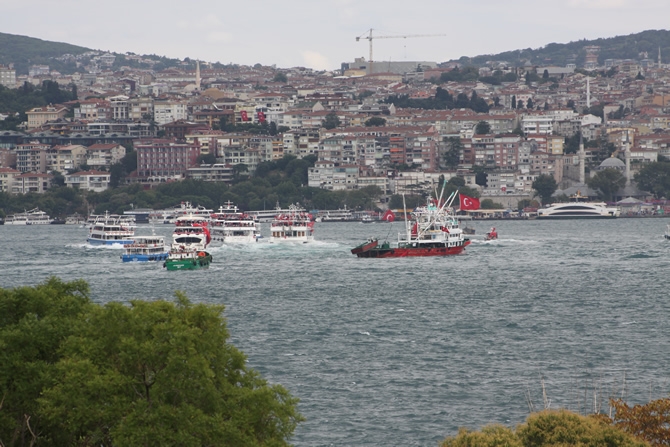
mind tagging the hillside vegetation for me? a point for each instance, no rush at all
(619, 47)
(25, 51)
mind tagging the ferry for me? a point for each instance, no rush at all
(231, 226)
(145, 249)
(269, 215)
(578, 208)
(294, 226)
(32, 217)
(170, 215)
(338, 215)
(190, 239)
(431, 230)
(111, 230)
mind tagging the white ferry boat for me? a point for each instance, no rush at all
(170, 215)
(269, 215)
(145, 249)
(111, 230)
(578, 208)
(294, 226)
(231, 226)
(32, 217)
(339, 215)
(191, 232)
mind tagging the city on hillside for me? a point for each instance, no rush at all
(400, 126)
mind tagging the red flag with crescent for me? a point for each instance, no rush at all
(468, 203)
(388, 216)
(261, 117)
(244, 115)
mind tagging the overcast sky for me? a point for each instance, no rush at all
(322, 33)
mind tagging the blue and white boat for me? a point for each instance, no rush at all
(145, 249)
(111, 230)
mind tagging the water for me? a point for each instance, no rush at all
(405, 351)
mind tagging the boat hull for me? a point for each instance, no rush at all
(188, 263)
(109, 241)
(144, 258)
(385, 251)
(574, 217)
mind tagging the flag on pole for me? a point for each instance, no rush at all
(244, 115)
(468, 203)
(388, 216)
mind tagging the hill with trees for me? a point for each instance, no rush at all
(632, 46)
(25, 51)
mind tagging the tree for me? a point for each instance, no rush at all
(608, 182)
(655, 178)
(482, 128)
(489, 204)
(520, 104)
(514, 101)
(452, 154)
(148, 373)
(280, 77)
(331, 121)
(375, 121)
(545, 74)
(208, 159)
(545, 185)
(650, 421)
(530, 104)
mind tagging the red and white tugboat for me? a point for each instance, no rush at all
(432, 230)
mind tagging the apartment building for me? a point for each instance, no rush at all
(32, 157)
(41, 115)
(104, 155)
(65, 159)
(7, 179)
(36, 182)
(96, 181)
(163, 160)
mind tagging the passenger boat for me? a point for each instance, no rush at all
(268, 215)
(367, 219)
(431, 230)
(170, 215)
(111, 230)
(145, 249)
(492, 234)
(231, 226)
(190, 238)
(578, 208)
(32, 217)
(294, 226)
(667, 232)
(339, 215)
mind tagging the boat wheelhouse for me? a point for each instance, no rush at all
(294, 226)
(145, 249)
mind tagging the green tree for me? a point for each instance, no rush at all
(489, 204)
(208, 159)
(514, 101)
(607, 182)
(452, 154)
(655, 178)
(375, 121)
(149, 373)
(331, 121)
(483, 128)
(280, 77)
(545, 185)
(530, 103)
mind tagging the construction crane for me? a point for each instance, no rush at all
(368, 35)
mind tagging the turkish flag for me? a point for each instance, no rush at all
(261, 117)
(244, 115)
(468, 203)
(388, 216)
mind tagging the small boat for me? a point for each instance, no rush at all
(667, 232)
(367, 219)
(431, 230)
(32, 217)
(187, 259)
(294, 226)
(145, 249)
(492, 234)
(468, 230)
(111, 230)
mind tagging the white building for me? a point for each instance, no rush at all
(96, 181)
(169, 111)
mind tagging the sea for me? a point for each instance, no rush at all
(404, 352)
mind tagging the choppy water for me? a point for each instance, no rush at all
(405, 351)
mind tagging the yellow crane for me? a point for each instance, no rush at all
(368, 35)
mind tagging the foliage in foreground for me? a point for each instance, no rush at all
(548, 429)
(149, 373)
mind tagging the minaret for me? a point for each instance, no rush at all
(588, 92)
(627, 158)
(197, 76)
(582, 160)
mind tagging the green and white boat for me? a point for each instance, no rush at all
(187, 259)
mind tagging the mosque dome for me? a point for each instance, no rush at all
(612, 163)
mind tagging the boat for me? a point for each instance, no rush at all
(187, 259)
(468, 230)
(231, 226)
(111, 230)
(667, 232)
(269, 215)
(75, 219)
(32, 217)
(367, 219)
(190, 239)
(492, 234)
(431, 230)
(294, 226)
(578, 208)
(145, 249)
(169, 216)
(338, 215)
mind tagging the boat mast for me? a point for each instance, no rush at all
(404, 207)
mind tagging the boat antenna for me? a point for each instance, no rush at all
(404, 208)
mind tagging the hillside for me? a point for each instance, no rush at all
(619, 47)
(26, 51)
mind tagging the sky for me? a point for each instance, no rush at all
(321, 34)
